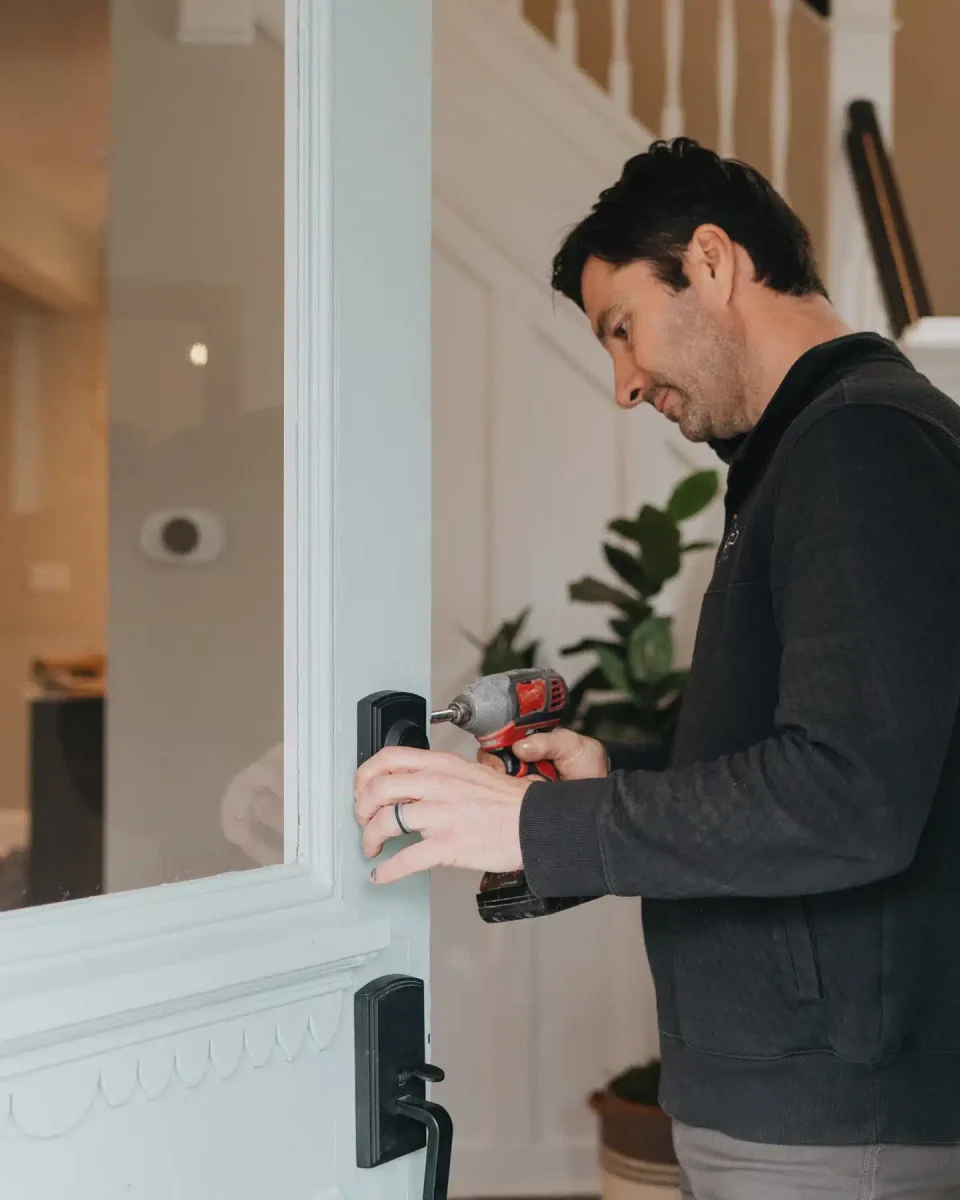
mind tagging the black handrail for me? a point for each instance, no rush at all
(904, 290)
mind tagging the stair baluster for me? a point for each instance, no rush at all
(621, 68)
(567, 31)
(672, 117)
(727, 77)
(780, 112)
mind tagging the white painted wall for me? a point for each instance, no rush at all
(531, 459)
(933, 346)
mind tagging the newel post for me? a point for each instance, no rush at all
(861, 68)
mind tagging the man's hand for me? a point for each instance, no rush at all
(574, 756)
(467, 814)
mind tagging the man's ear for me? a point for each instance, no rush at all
(711, 262)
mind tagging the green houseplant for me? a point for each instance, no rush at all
(631, 693)
(501, 652)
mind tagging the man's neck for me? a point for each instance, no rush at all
(781, 330)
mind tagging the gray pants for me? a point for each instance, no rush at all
(716, 1167)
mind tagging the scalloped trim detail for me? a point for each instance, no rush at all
(51, 1101)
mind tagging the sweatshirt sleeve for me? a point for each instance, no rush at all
(624, 757)
(865, 583)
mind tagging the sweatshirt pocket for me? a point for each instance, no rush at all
(804, 957)
(737, 963)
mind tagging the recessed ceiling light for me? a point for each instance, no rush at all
(198, 354)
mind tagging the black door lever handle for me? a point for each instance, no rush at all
(436, 1119)
(394, 1117)
(426, 1072)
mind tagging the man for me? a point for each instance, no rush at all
(799, 858)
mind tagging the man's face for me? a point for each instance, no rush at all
(675, 350)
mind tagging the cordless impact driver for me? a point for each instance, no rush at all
(501, 710)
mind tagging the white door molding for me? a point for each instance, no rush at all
(124, 997)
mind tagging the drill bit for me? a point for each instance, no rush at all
(459, 713)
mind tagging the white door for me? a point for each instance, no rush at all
(196, 1041)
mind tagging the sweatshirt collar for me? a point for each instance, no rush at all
(814, 373)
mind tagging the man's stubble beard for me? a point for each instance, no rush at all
(711, 401)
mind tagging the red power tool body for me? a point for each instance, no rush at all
(539, 703)
(501, 710)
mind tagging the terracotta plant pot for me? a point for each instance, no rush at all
(636, 1150)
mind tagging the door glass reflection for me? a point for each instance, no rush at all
(141, 446)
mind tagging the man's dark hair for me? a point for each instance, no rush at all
(650, 214)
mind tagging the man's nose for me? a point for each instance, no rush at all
(629, 387)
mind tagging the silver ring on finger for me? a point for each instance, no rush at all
(399, 817)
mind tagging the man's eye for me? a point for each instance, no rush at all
(620, 332)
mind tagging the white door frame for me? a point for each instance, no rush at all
(108, 998)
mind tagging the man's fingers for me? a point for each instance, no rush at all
(486, 759)
(535, 748)
(557, 745)
(400, 758)
(422, 856)
(399, 773)
(386, 790)
(419, 816)
(575, 756)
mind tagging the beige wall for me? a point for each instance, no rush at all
(53, 453)
(926, 128)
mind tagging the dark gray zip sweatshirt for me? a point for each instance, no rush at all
(800, 857)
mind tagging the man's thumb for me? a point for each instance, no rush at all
(538, 747)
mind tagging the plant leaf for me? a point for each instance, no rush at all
(501, 653)
(690, 546)
(592, 591)
(625, 529)
(650, 649)
(511, 629)
(614, 668)
(693, 494)
(619, 713)
(628, 567)
(620, 721)
(623, 626)
(499, 657)
(670, 684)
(593, 681)
(659, 540)
(586, 644)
